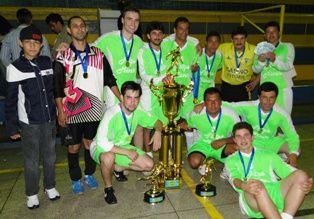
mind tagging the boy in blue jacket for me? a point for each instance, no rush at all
(31, 113)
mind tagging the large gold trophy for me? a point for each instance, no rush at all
(171, 96)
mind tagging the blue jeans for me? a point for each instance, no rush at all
(38, 140)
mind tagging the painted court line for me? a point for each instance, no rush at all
(209, 207)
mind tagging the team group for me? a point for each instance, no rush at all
(100, 95)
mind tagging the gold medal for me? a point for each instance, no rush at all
(260, 131)
(237, 70)
(158, 72)
(127, 64)
(129, 138)
(195, 101)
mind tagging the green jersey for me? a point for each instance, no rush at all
(208, 67)
(113, 130)
(249, 111)
(265, 167)
(188, 56)
(111, 44)
(149, 62)
(211, 129)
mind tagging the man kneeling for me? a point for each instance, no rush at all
(112, 147)
(253, 174)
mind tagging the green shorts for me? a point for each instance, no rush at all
(274, 191)
(273, 144)
(207, 150)
(120, 160)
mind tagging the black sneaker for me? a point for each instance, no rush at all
(109, 196)
(120, 176)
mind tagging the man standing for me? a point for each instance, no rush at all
(237, 70)
(152, 69)
(10, 50)
(253, 175)
(81, 72)
(209, 63)
(112, 147)
(188, 56)
(277, 66)
(266, 117)
(121, 49)
(56, 25)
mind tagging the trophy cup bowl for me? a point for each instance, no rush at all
(205, 188)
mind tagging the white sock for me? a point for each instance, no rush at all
(285, 215)
(150, 154)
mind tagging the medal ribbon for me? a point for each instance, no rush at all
(84, 61)
(211, 64)
(246, 171)
(217, 124)
(238, 64)
(128, 129)
(196, 76)
(127, 55)
(261, 125)
(158, 63)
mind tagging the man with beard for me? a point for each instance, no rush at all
(152, 68)
(112, 148)
(237, 70)
(81, 72)
(277, 66)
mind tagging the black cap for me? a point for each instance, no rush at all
(31, 33)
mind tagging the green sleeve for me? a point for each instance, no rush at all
(290, 134)
(146, 119)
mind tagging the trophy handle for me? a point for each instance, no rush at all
(187, 90)
(155, 89)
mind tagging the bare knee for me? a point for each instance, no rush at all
(107, 158)
(300, 176)
(195, 161)
(149, 165)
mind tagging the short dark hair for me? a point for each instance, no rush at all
(154, 25)
(213, 33)
(74, 17)
(267, 87)
(128, 9)
(130, 85)
(242, 125)
(240, 30)
(53, 17)
(180, 19)
(272, 24)
(212, 90)
(24, 16)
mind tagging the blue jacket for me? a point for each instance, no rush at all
(30, 96)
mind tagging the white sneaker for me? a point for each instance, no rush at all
(52, 194)
(32, 201)
(224, 174)
(201, 169)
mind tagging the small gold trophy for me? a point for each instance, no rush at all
(171, 96)
(205, 188)
(155, 194)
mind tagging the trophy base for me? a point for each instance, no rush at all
(154, 197)
(207, 191)
(172, 184)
